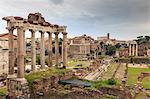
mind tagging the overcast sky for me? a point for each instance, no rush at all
(123, 19)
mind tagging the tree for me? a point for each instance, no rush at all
(118, 45)
(110, 50)
(142, 39)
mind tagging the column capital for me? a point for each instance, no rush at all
(64, 33)
(22, 28)
(31, 30)
(10, 28)
(56, 33)
(49, 32)
(42, 31)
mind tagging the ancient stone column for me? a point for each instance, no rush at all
(11, 51)
(64, 53)
(21, 52)
(42, 54)
(136, 50)
(50, 49)
(33, 51)
(56, 48)
(129, 49)
(133, 50)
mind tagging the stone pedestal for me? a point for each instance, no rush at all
(19, 88)
(10, 77)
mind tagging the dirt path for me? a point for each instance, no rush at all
(95, 75)
(111, 69)
(120, 71)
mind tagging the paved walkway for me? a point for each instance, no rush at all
(98, 72)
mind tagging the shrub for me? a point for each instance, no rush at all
(111, 82)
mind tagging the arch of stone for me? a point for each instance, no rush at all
(35, 22)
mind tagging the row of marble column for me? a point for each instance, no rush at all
(133, 50)
(21, 50)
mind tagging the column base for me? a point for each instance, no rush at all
(19, 88)
(9, 78)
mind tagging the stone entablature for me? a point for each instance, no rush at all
(33, 23)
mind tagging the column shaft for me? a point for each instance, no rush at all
(133, 50)
(21, 52)
(136, 49)
(130, 49)
(64, 53)
(56, 48)
(50, 50)
(11, 51)
(42, 54)
(33, 51)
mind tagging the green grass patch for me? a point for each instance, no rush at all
(3, 91)
(104, 83)
(100, 83)
(111, 69)
(73, 64)
(133, 74)
(42, 74)
(109, 97)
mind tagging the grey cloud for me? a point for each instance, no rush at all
(117, 10)
(57, 1)
(109, 14)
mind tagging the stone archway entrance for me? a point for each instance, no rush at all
(34, 22)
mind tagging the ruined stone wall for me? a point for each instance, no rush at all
(44, 85)
(121, 94)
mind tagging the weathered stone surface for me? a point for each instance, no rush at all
(122, 94)
(45, 84)
(76, 93)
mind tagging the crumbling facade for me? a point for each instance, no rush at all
(80, 47)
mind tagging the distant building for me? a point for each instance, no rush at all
(81, 46)
(148, 52)
(144, 49)
(124, 52)
(108, 41)
(4, 51)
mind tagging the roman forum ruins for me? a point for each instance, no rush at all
(34, 23)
